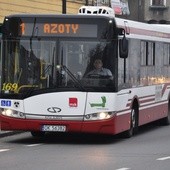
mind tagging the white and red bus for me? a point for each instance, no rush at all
(44, 62)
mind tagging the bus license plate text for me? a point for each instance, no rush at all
(53, 128)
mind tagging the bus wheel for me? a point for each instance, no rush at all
(37, 134)
(133, 123)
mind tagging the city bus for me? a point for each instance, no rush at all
(46, 60)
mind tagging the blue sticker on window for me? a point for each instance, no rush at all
(6, 103)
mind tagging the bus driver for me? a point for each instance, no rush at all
(99, 70)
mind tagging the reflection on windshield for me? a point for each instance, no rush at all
(40, 65)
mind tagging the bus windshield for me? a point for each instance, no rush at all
(47, 64)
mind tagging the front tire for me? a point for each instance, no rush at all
(133, 123)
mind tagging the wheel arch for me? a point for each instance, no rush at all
(135, 102)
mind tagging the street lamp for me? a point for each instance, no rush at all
(87, 3)
(63, 6)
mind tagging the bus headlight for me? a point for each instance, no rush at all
(99, 116)
(12, 113)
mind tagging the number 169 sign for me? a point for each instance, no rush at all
(10, 87)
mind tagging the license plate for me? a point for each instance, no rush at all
(53, 128)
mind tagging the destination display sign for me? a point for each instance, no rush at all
(58, 29)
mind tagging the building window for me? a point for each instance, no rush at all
(102, 2)
(158, 2)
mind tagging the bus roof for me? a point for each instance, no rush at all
(133, 28)
(144, 31)
(97, 10)
(56, 16)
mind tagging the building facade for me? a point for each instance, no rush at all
(158, 11)
(8, 7)
(153, 11)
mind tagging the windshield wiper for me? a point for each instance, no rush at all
(75, 80)
(46, 70)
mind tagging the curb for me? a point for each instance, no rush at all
(8, 133)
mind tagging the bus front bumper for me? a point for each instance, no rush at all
(113, 125)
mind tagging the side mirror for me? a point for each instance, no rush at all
(123, 47)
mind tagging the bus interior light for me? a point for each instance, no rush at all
(58, 67)
(110, 21)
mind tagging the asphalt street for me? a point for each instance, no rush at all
(149, 149)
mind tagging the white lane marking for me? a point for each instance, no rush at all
(4, 150)
(163, 158)
(36, 144)
(123, 169)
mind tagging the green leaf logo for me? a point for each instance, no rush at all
(102, 104)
